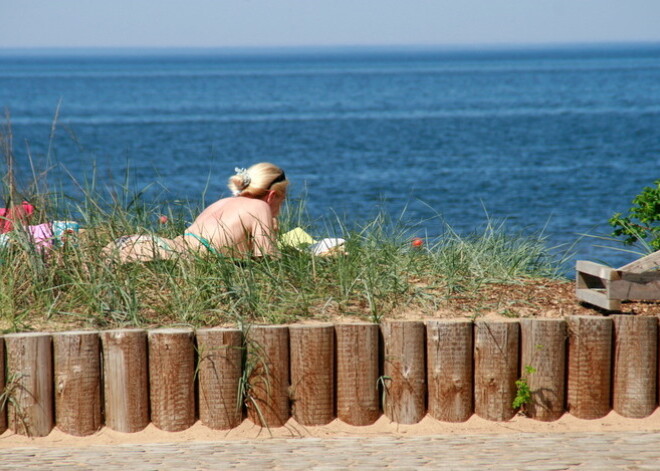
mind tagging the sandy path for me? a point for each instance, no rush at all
(383, 427)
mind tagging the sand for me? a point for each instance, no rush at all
(383, 427)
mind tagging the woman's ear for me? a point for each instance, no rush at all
(270, 196)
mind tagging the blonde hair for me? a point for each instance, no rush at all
(258, 180)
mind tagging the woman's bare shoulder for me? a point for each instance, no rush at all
(252, 204)
(239, 205)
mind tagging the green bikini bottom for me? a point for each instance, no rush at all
(204, 242)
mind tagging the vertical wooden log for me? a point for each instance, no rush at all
(496, 347)
(544, 352)
(220, 359)
(449, 353)
(3, 410)
(30, 383)
(77, 382)
(635, 365)
(125, 379)
(589, 366)
(312, 350)
(404, 371)
(268, 375)
(357, 373)
(172, 379)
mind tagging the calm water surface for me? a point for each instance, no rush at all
(552, 140)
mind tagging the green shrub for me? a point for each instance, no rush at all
(642, 223)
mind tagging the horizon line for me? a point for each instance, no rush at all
(231, 50)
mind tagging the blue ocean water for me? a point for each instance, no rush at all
(547, 139)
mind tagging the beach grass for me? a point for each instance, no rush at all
(380, 274)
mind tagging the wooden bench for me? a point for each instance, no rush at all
(606, 287)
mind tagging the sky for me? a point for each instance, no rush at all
(311, 23)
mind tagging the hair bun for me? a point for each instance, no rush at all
(240, 181)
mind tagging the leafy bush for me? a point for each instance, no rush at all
(642, 223)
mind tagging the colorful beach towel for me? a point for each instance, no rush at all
(8, 216)
(300, 239)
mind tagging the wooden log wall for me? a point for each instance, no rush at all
(450, 372)
(589, 366)
(267, 371)
(635, 365)
(543, 364)
(312, 373)
(30, 383)
(3, 408)
(77, 382)
(450, 369)
(220, 366)
(126, 380)
(496, 347)
(404, 371)
(172, 379)
(358, 401)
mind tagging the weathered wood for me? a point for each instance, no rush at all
(646, 277)
(404, 371)
(312, 350)
(635, 365)
(543, 345)
(30, 383)
(596, 270)
(172, 378)
(77, 360)
(605, 287)
(268, 375)
(636, 288)
(646, 263)
(220, 368)
(496, 346)
(593, 285)
(358, 402)
(3, 409)
(589, 366)
(598, 298)
(125, 379)
(449, 353)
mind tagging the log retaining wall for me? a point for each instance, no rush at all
(126, 378)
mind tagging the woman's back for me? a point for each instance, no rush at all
(239, 223)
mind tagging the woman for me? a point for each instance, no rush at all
(244, 224)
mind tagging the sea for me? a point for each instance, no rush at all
(533, 140)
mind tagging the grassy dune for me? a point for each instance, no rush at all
(382, 272)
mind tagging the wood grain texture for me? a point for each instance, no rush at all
(77, 360)
(544, 344)
(496, 347)
(172, 379)
(312, 350)
(30, 383)
(597, 270)
(358, 401)
(598, 298)
(125, 379)
(219, 371)
(646, 263)
(637, 289)
(3, 408)
(404, 371)
(268, 375)
(589, 366)
(635, 365)
(449, 353)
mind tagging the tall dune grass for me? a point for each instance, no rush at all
(379, 273)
